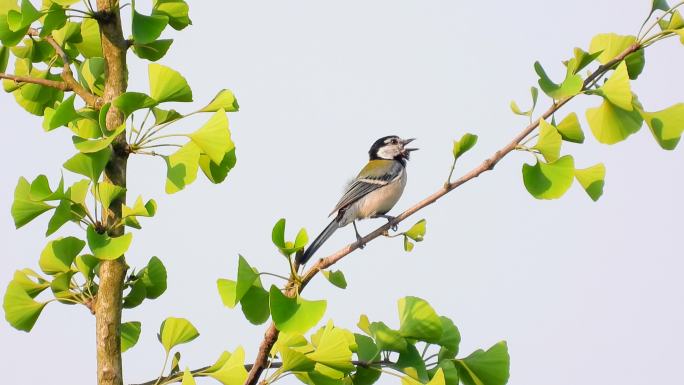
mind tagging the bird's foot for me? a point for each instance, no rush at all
(359, 238)
(389, 218)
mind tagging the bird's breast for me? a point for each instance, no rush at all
(382, 200)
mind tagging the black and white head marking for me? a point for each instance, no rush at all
(391, 147)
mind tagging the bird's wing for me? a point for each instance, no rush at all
(376, 174)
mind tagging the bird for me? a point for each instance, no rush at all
(372, 194)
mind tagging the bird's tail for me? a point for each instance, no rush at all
(320, 239)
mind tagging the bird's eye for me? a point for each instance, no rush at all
(394, 141)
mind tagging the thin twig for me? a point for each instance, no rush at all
(68, 76)
(43, 82)
(271, 334)
(201, 372)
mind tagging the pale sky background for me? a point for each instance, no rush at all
(584, 293)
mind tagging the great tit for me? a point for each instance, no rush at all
(372, 193)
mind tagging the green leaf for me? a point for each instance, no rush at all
(549, 180)
(92, 72)
(147, 29)
(278, 233)
(86, 265)
(164, 116)
(417, 231)
(450, 372)
(167, 85)
(571, 85)
(570, 130)
(611, 124)
(102, 117)
(294, 315)
(24, 209)
(659, 4)
(666, 125)
(516, 110)
(295, 361)
(214, 137)
(592, 180)
(676, 21)
(386, 338)
(175, 10)
(582, 59)
(153, 276)
(64, 114)
(176, 331)
(90, 165)
(130, 332)
(246, 277)
(129, 102)
(181, 167)
(21, 311)
(418, 320)
(450, 339)
(549, 142)
(461, 146)
(227, 291)
(139, 209)
(217, 173)
(61, 287)
(336, 277)
(224, 100)
(255, 304)
(41, 191)
(489, 367)
(78, 191)
(4, 58)
(333, 350)
(301, 240)
(90, 45)
(610, 45)
(233, 369)
(188, 379)
(438, 378)
(136, 295)
(364, 324)
(32, 287)
(107, 192)
(412, 364)
(152, 51)
(83, 127)
(18, 20)
(58, 255)
(95, 145)
(617, 90)
(106, 248)
(366, 349)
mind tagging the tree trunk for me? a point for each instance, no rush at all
(112, 273)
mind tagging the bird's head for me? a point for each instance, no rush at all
(391, 147)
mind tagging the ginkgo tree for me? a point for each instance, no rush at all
(66, 61)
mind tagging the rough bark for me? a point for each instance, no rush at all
(112, 273)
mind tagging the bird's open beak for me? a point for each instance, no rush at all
(407, 141)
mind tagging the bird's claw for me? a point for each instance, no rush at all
(359, 241)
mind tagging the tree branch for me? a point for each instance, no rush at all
(488, 164)
(178, 376)
(112, 273)
(71, 83)
(43, 82)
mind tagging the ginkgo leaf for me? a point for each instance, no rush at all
(176, 331)
(592, 180)
(167, 85)
(214, 137)
(105, 247)
(617, 89)
(549, 142)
